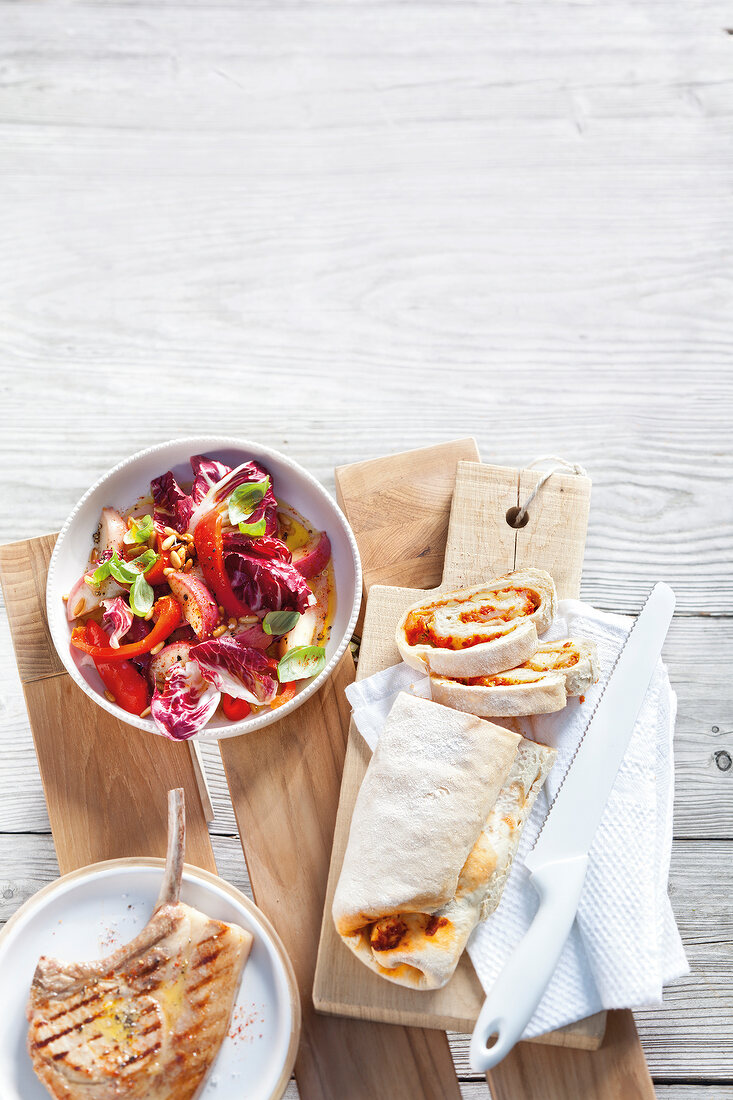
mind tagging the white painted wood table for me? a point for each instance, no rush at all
(346, 230)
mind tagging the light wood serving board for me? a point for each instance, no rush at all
(480, 542)
(285, 782)
(106, 783)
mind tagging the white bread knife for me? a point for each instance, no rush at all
(558, 861)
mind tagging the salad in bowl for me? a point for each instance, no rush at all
(207, 598)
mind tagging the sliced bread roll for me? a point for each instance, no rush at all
(435, 828)
(540, 686)
(481, 630)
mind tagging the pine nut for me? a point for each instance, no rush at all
(78, 608)
(145, 713)
(156, 648)
(188, 566)
(231, 624)
(181, 551)
(94, 555)
(188, 537)
(110, 696)
(65, 597)
(167, 572)
(218, 631)
(149, 615)
(175, 560)
(170, 531)
(167, 543)
(221, 609)
(90, 582)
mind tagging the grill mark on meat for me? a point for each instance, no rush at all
(204, 981)
(40, 1043)
(207, 959)
(79, 1004)
(143, 1054)
(143, 970)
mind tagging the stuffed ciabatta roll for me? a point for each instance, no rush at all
(480, 630)
(540, 686)
(428, 854)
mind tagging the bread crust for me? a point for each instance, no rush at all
(544, 697)
(545, 689)
(509, 642)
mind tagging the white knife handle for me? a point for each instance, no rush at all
(518, 990)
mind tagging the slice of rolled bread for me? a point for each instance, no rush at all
(481, 630)
(539, 686)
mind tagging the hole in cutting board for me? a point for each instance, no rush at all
(511, 518)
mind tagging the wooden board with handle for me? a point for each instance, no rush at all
(285, 782)
(106, 783)
(480, 541)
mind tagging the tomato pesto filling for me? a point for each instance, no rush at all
(388, 933)
(421, 629)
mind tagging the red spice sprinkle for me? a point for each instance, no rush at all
(242, 1019)
(581, 699)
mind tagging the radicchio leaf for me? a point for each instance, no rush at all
(173, 507)
(267, 584)
(237, 669)
(117, 619)
(267, 546)
(186, 702)
(267, 507)
(206, 473)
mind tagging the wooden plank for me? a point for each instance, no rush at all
(284, 783)
(398, 511)
(557, 521)
(697, 657)
(617, 1071)
(688, 1037)
(23, 569)
(105, 783)
(479, 542)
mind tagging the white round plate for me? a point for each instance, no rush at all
(128, 481)
(89, 913)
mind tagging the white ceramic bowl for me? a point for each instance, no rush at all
(122, 486)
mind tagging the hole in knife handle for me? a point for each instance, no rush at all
(511, 518)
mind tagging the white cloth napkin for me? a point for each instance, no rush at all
(624, 945)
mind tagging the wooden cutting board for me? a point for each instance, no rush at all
(480, 542)
(106, 783)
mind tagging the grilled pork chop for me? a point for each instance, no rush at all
(147, 1021)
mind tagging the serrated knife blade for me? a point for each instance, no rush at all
(558, 861)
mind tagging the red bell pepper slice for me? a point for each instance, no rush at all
(210, 550)
(166, 616)
(235, 709)
(121, 678)
(154, 573)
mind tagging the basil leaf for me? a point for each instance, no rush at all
(139, 530)
(301, 663)
(279, 622)
(122, 571)
(100, 573)
(141, 596)
(245, 499)
(145, 560)
(254, 530)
